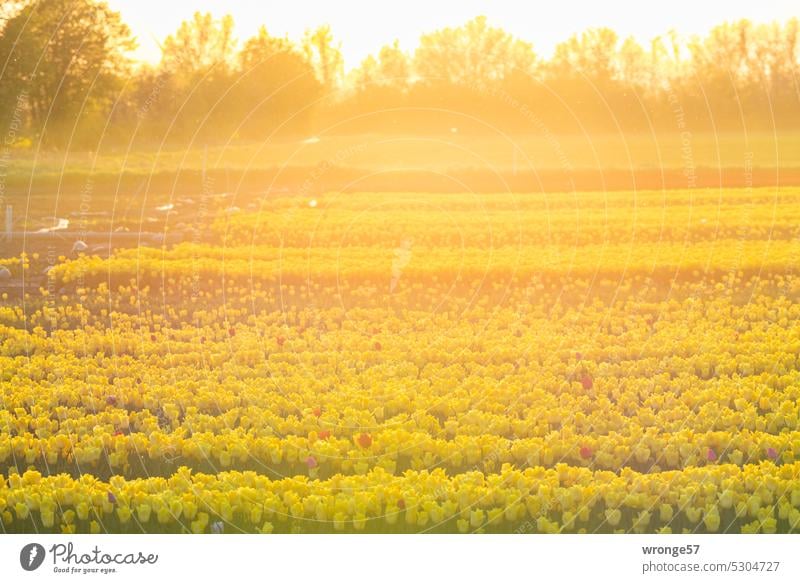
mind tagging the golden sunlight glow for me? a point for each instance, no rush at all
(364, 27)
(326, 266)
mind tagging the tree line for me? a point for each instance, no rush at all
(66, 70)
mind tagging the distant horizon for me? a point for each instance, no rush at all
(151, 22)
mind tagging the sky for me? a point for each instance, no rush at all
(363, 26)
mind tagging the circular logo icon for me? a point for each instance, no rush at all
(31, 556)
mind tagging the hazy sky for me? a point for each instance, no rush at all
(364, 26)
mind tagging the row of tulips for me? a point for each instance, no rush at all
(725, 498)
(322, 453)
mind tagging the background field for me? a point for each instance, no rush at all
(442, 152)
(103, 192)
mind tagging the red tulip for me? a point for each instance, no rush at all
(377, 346)
(578, 356)
(111, 400)
(311, 462)
(711, 455)
(587, 382)
(586, 452)
(232, 331)
(281, 340)
(152, 337)
(772, 453)
(324, 434)
(364, 440)
(317, 411)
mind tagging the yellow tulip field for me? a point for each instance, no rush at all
(605, 362)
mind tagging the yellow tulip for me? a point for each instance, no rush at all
(21, 510)
(199, 525)
(339, 521)
(190, 510)
(693, 514)
(665, 512)
(176, 508)
(359, 521)
(642, 521)
(123, 514)
(613, 516)
(712, 519)
(726, 499)
(82, 510)
(769, 525)
(163, 515)
(546, 526)
(143, 512)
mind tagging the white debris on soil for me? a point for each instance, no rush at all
(60, 225)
